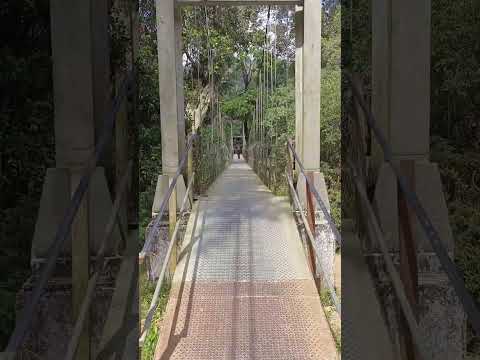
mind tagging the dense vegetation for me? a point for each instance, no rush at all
(26, 140)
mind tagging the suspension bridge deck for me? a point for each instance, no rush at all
(242, 288)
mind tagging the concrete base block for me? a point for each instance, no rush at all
(163, 183)
(326, 258)
(54, 203)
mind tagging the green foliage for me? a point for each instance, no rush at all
(459, 178)
(232, 37)
(239, 107)
(210, 156)
(356, 37)
(455, 75)
(150, 156)
(147, 288)
(280, 115)
(279, 126)
(331, 29)
(330, 134)
(149, 135)
(147, 69)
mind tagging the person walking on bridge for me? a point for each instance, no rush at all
(238, 151)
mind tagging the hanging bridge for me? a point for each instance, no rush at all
(247, 270)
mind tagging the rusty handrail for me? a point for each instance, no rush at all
(376, 232)
(310, 185)
(173, 242)
(311, 237)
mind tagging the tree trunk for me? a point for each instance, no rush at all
(199, 112)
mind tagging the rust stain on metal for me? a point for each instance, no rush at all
(408, 258)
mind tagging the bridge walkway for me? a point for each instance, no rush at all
(242, 288)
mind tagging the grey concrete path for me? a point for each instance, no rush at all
(242, 289)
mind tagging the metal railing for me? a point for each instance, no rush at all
(374, 230)
(150, 240)
(376, 233)
(64, 230)
(173, 244)
(307, 217)
(170, 256)
(147, 250)
(269, 162)
(210, 162)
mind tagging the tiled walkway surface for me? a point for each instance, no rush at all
(242, 289)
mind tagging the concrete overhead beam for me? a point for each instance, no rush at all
(238, 2)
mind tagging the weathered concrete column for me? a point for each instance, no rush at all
(308, 20)
(401, 105)
(170, 72)
(76, 95)
(311, 63)
(167, 78)
(299, 80)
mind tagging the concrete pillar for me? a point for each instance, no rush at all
(401, 76)
(311, 63)
(170, 70)
(167, 73)
(401, 106)
(299, 80)
(77, 83)
(73, 88)
(307, 121)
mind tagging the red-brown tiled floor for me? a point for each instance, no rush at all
(243, 290)
(261, 320)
